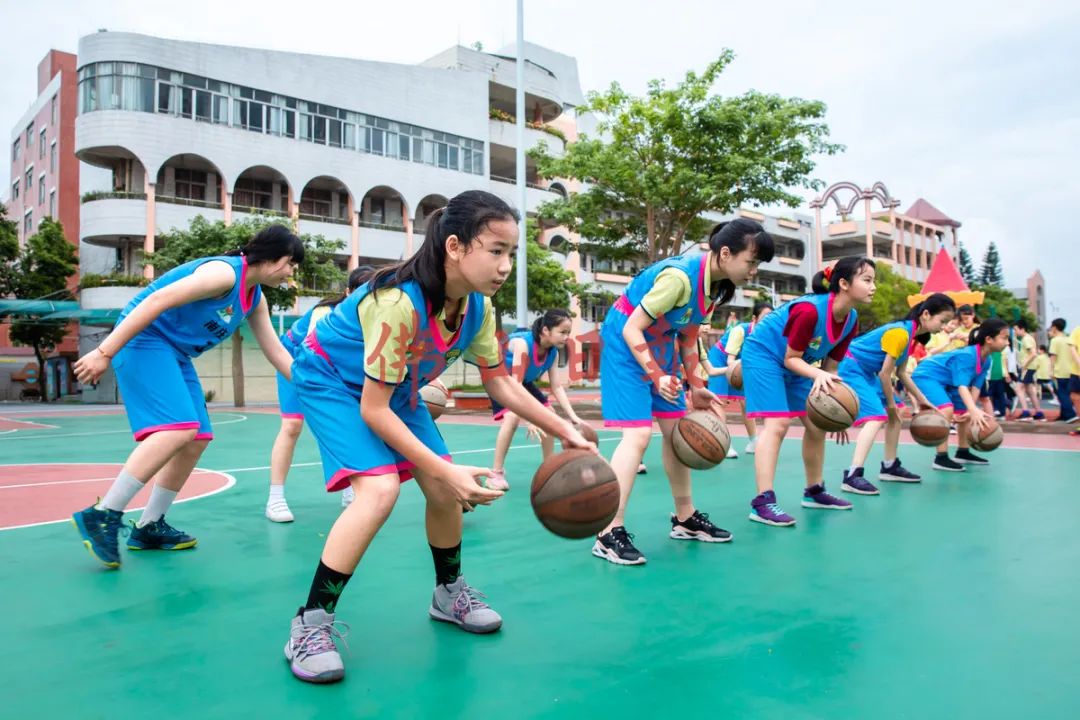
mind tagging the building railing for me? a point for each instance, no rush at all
(324, 218)
(382, 226)
(192, 202)
(252, 210)
(112, 195)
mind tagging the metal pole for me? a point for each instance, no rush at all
(522, 252)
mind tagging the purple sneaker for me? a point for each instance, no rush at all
(854, 482)
(765, 510)
(816, 497)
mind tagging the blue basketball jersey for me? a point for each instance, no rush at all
(768, 338)
(194, 328)
(866, 349)
(693, 313)
(339, 338)
(535, 364)
(957, 368)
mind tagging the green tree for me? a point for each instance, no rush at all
(991, 272)
(999, 302)
(967, 268)
(550, 285)
(890, 299)
(40, 271)
(661, 160)
(204, 238)
(9, 251)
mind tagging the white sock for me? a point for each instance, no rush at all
(888, 463)
(277, 492)
(158, 505)
(851, 470)
(124, 488)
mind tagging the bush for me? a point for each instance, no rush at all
(93, 280)
(209, 396)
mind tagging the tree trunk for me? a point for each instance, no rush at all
(238, 369)
(650, 230)
(42, 384)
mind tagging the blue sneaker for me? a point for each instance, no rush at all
(816, 497)
(854, 482)
(765, 510)
(99, 530)
(159, 535)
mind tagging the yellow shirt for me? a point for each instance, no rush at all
(734, 341)
(961, 337)
(1028, 350)
(937, 340)
(1062, 357)
(1074, 340)
(670, 290)
(1042, 367)
(895, 342)
(390, 307)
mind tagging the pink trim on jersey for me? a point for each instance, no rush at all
(246, 298)
(622, 304)
(204, 436)
(829, 322)
(669, 414)
(313, 342)
(729, 397)
(911, 337)
(433, 326)
(770, 414)
(499, 415)
(702, 290)
(627, 423)
(978, 361)
(535, 349)
(870, 418)
(339, 480)
(293, 416)
(148, 431)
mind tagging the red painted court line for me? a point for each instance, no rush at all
(34, 494)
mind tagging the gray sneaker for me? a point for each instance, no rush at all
(460, 604)
(311, 652)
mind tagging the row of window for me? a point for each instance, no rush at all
(16, 144)
(145, 88)
(28, 216)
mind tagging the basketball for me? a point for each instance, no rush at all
(929, 428)
(833, 411)
(734, 376)
(989, 438)
(575, 494)
(701, 440)
(435, 397)
(587, 432)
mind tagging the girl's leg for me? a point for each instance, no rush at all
(687, 523)
(547, 446)
(281, 457)
(768, 452)
(152, 532)
(813, 452)
(497, 479)
(865, 442)
(625, 460)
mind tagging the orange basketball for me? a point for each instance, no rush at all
(734, 375)
(435, 397)
(929, 428)
(989, 438)
(575, 494)
(700, 440)
(833, 411)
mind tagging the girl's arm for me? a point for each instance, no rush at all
(970, 396)
(268, 340)
(912, 388)
(701, 398)
(212, 279)
(634, 335)
(519, 351)
(557, 378)
(823, 377)
(513, 396)
(885, 378)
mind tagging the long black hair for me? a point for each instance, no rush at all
(356, 278)
(466, 216)
(989, 328)
(552, 318)
(271, 244)
(934, 304)
(760, 307)
(738, 235)
(846, 268)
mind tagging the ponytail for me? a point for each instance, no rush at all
(934, 304)
(846, 268)
(271, 244)
(987, 330)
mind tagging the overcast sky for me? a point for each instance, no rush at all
(977, 109)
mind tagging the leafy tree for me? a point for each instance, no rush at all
(967, 268)
(890, 299)
(9, 251)
(991, 272)
(999, 302)
(39, 271)
(663, 159)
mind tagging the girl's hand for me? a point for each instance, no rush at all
(823, 382)
(534, 432)
(979, 419)
(668, 386)
(91, 366)
(572, 438)
(894, 413)
(841, 437)
(703, 399)
(463, 481)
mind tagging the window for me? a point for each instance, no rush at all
(190, 184)
(52, 203)
(41, 189)
(52, 110)
(28, 223)
(15, 190)
(52, 157)
(257, 194)
(29, 136)
(41, 144)
(29, 180)
(316, 202)
(15, 150)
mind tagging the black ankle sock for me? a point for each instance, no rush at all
(943, 456)
(326, 588)
(447, 563)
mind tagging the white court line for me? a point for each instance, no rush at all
(77, 482)
(229, 482)
(239, 418)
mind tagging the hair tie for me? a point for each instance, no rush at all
(827, 273)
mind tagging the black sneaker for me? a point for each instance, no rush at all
(159, 535)
(617, 547)
(898, 473)
(966, 457)
(698, 527)
(854, 482)
(944, 462)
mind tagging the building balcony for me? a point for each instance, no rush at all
(107, 298)
(112, 219)
(535, 194)
(504, 132)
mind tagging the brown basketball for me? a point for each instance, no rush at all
(435, 397)
(734, 376)
(989, 438)
(835, 411)
(701, 440)
(929, 428)
(575, 494)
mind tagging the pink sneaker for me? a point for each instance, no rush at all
(497, 481)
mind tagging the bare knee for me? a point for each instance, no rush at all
(637, 438)
(379, 491)
(776, 427)
(292, 427)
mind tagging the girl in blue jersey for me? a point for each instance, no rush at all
(529, 355)
(662, 309)
(723, 356)
(951, 382)
(292, 418)
(868, 370)
(183, 313)
(358, 375)
(779, 374)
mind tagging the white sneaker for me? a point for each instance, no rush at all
(497, 481)
(732, 454)
(347, 496)
(750, 447)
(278, 511)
